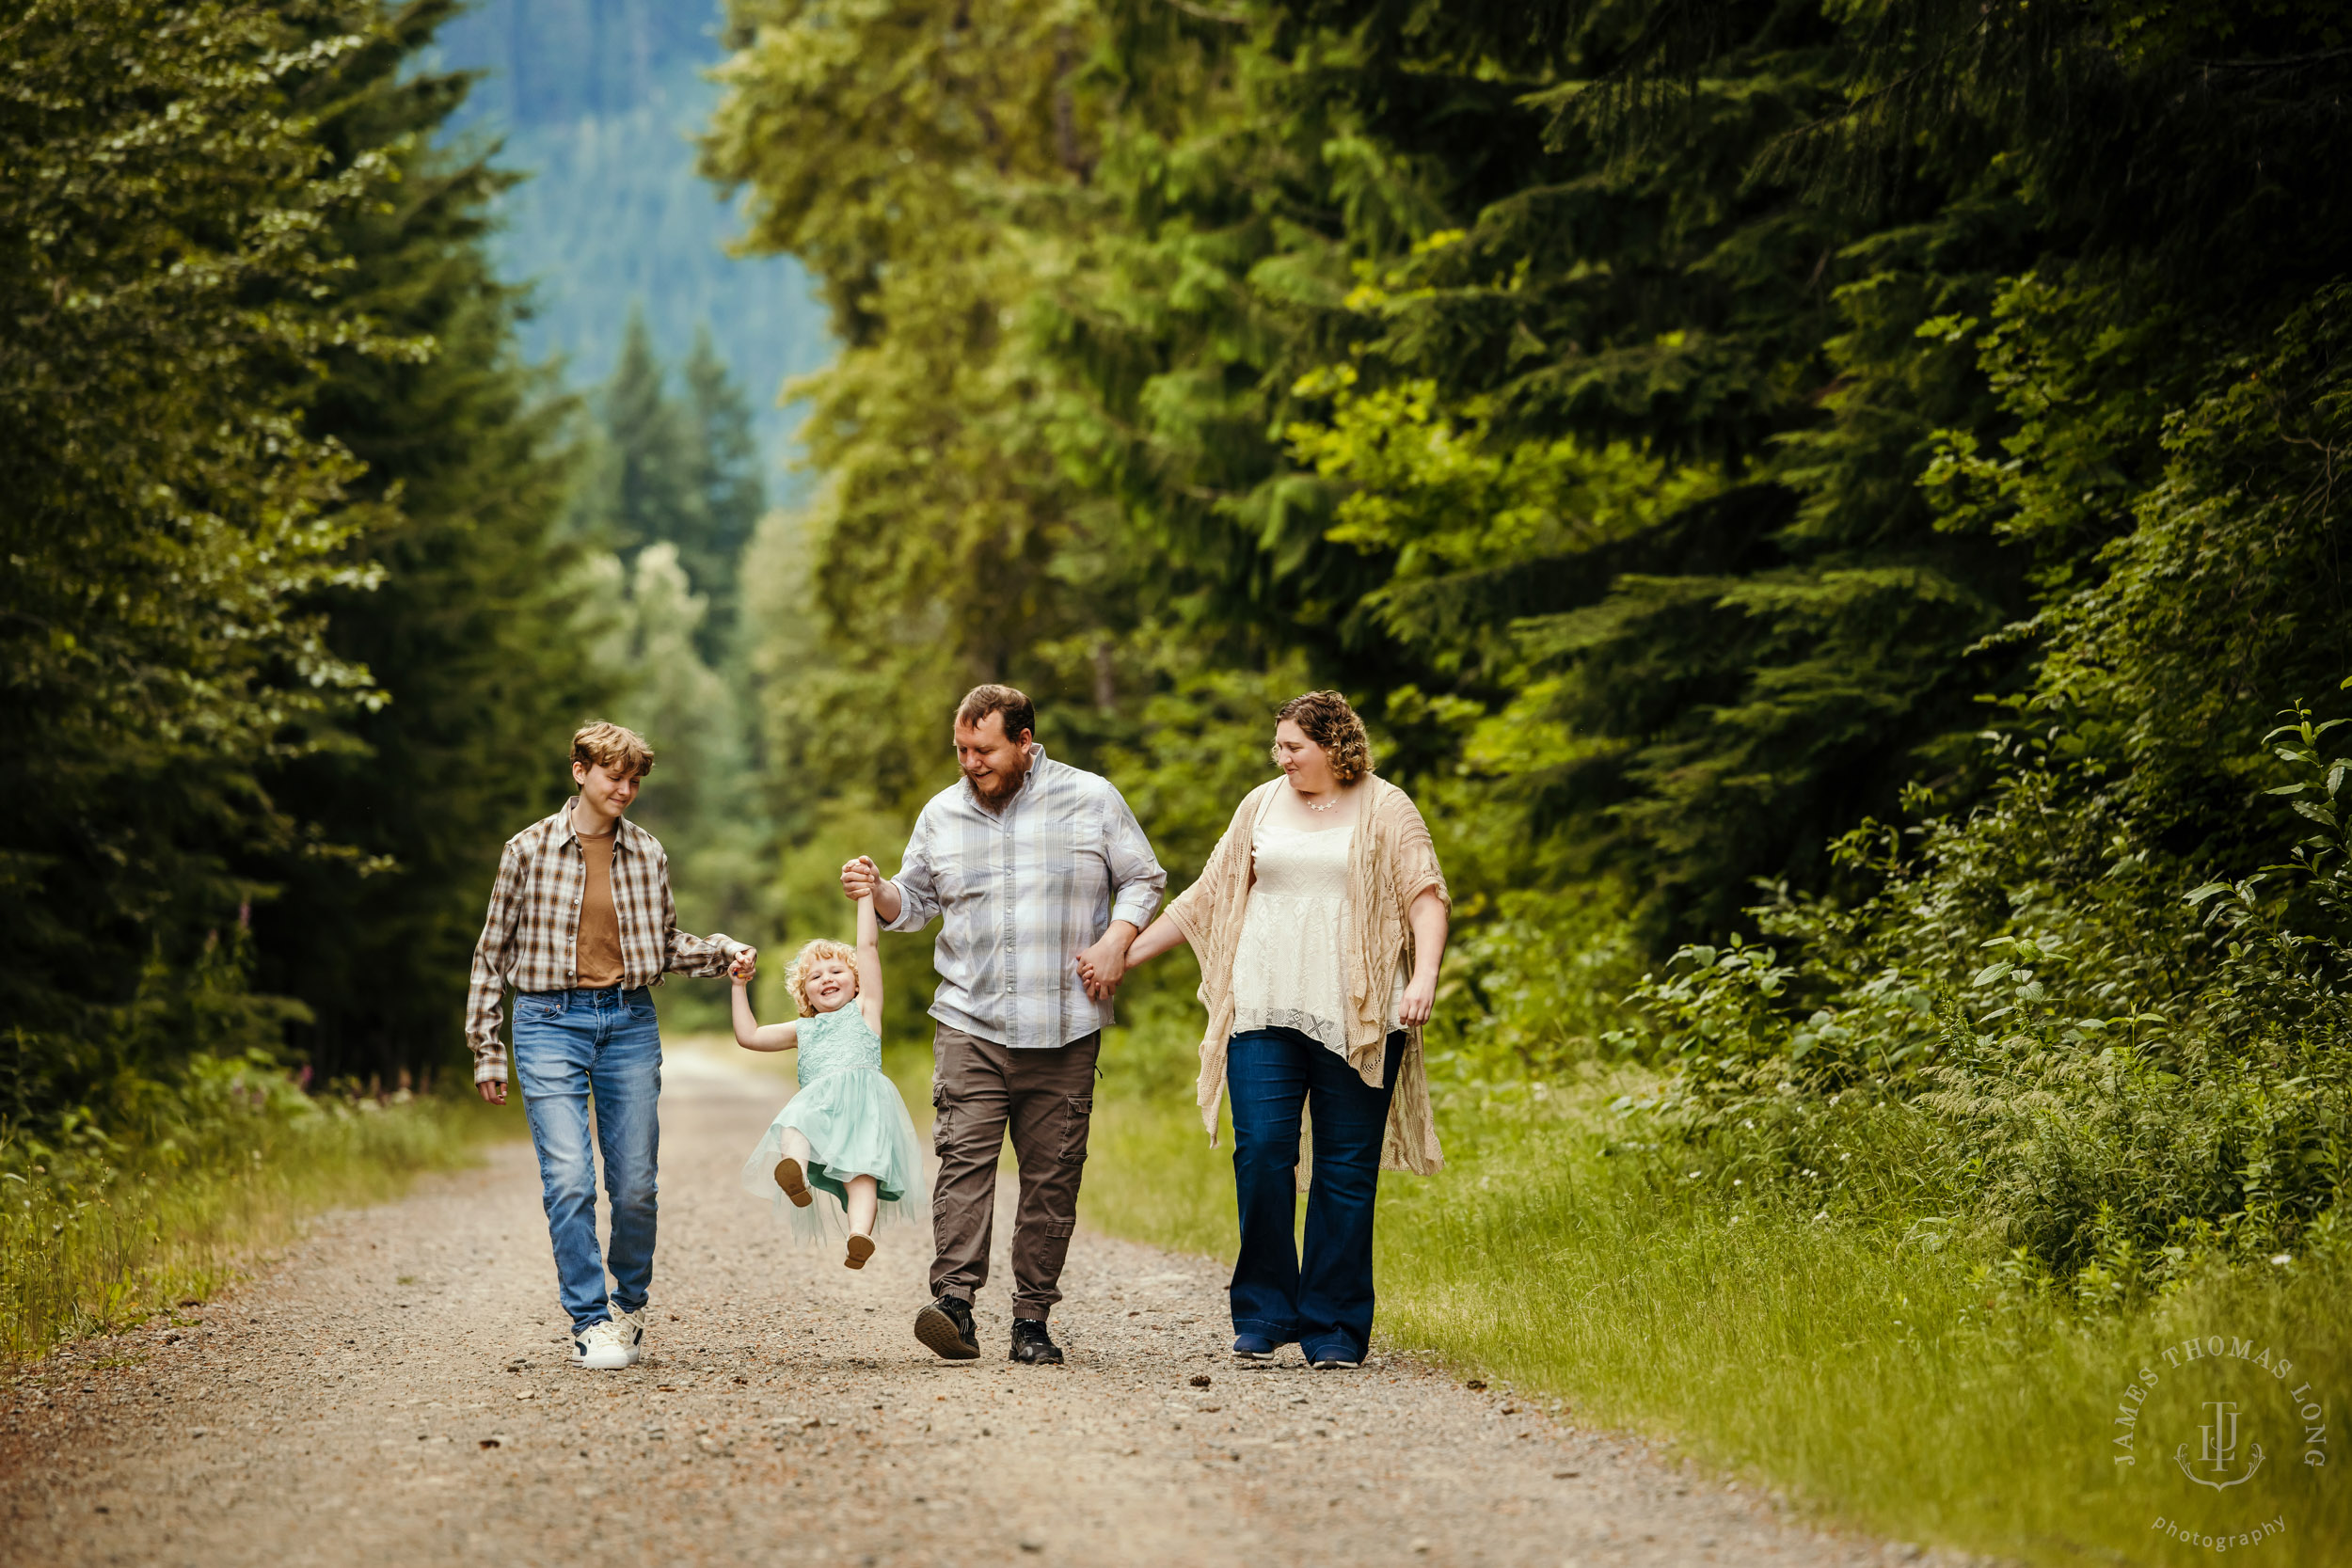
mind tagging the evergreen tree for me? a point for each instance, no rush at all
(684, 473)
(169, 289)
(466, 619)
(647, 491)
(726, 476)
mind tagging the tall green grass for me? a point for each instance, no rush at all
(1890, 1379)
(98, 1232)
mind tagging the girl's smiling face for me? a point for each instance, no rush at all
(830, 984)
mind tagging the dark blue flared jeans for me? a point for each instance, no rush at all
(1324, 1301)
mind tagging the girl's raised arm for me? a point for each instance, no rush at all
(869, 979)
(748, 1031)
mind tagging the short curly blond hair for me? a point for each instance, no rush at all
(1330, 724)
(822, 947)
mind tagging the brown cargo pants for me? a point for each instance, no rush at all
(1046, 1097)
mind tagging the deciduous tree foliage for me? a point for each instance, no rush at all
(910, 154)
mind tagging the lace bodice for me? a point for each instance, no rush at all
(1287, 970)
(831, 1042)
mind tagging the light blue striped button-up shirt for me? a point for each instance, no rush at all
(1018, 892)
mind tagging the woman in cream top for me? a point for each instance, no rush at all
(1319, 922)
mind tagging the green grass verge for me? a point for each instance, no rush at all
(96, 1235)
(1884, 1381)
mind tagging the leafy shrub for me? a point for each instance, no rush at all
(2041, 1032)
(1532, 986)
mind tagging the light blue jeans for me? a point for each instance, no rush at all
(570, 1046)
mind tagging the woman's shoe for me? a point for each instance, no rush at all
(1254, 1347)
(795, 1183)
(1333, 1357)
(861, 1248)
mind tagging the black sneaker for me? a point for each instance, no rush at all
(1032, 1345)
(945, 1329)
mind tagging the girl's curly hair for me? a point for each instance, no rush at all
(1330, 724)
(823, 947)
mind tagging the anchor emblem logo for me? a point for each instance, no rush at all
(2219, 1453)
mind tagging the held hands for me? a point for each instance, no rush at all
(493, 1090)
(1103, 965)
(860, 878)
(744, 966)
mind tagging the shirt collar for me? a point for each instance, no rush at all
(622, 827)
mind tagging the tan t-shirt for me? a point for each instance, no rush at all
(596, 953)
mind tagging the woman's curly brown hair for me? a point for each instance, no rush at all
(1330, 724)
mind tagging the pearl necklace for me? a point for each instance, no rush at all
(1332, 805)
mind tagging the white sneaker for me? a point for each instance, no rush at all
(632, 1327)
(608, 1346)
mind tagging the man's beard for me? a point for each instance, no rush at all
(999, 787)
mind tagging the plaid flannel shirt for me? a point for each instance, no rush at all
(1020, 892)
(531, 939)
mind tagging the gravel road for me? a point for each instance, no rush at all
(393, 1390)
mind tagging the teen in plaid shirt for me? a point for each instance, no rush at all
(581, 925)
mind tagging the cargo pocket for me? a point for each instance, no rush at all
(1077, 1116)
(939, 1117)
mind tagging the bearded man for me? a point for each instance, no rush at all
(1041, 877)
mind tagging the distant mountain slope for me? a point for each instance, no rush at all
(600, 101)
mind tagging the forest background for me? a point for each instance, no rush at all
(1831, 508)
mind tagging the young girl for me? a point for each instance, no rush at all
(847, 1132)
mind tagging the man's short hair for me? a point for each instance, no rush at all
(619, 751)
(981, 701)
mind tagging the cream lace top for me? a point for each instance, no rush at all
(1287, 969)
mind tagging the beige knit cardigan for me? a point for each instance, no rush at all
(1391, 863)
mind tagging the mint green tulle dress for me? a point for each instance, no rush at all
(855, 1124)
